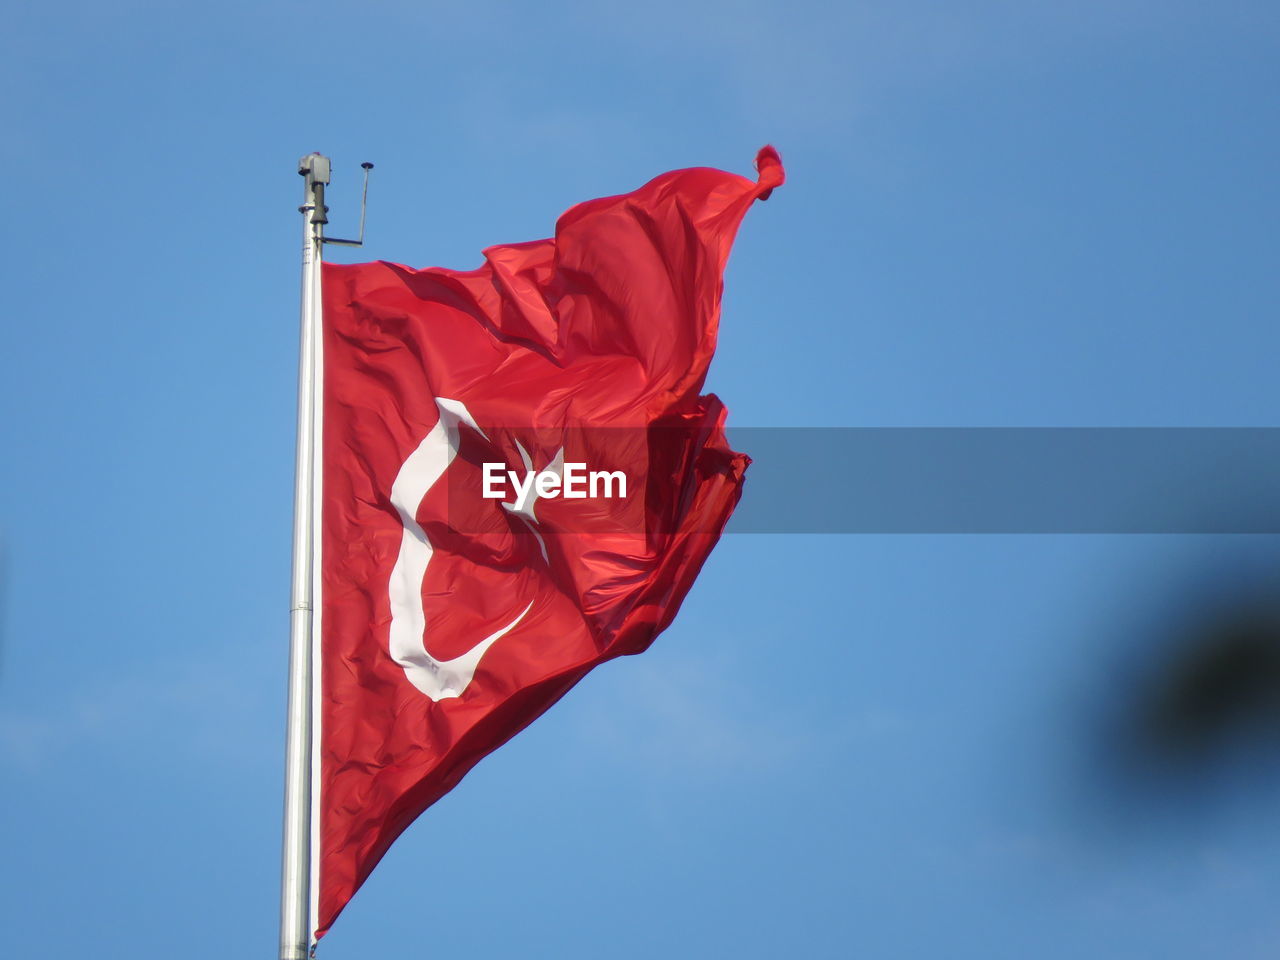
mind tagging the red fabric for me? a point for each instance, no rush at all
(611, 324)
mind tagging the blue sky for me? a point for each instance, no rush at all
(1041, 214)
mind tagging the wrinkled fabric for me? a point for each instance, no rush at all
(600, 338)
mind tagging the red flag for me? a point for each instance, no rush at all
(449, 620)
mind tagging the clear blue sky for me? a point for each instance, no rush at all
(872, 746)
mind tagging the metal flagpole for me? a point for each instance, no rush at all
(296, 922)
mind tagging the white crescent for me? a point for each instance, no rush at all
(438, 679)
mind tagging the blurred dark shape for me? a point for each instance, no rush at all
(1182, 719)
(1220, 681)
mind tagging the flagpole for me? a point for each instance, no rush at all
(296, 922)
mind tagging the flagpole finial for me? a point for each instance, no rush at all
(315, 167)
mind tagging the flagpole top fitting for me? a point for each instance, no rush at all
(315, 167)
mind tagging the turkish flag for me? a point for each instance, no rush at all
(449, 619)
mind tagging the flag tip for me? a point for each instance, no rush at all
(769, 171)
